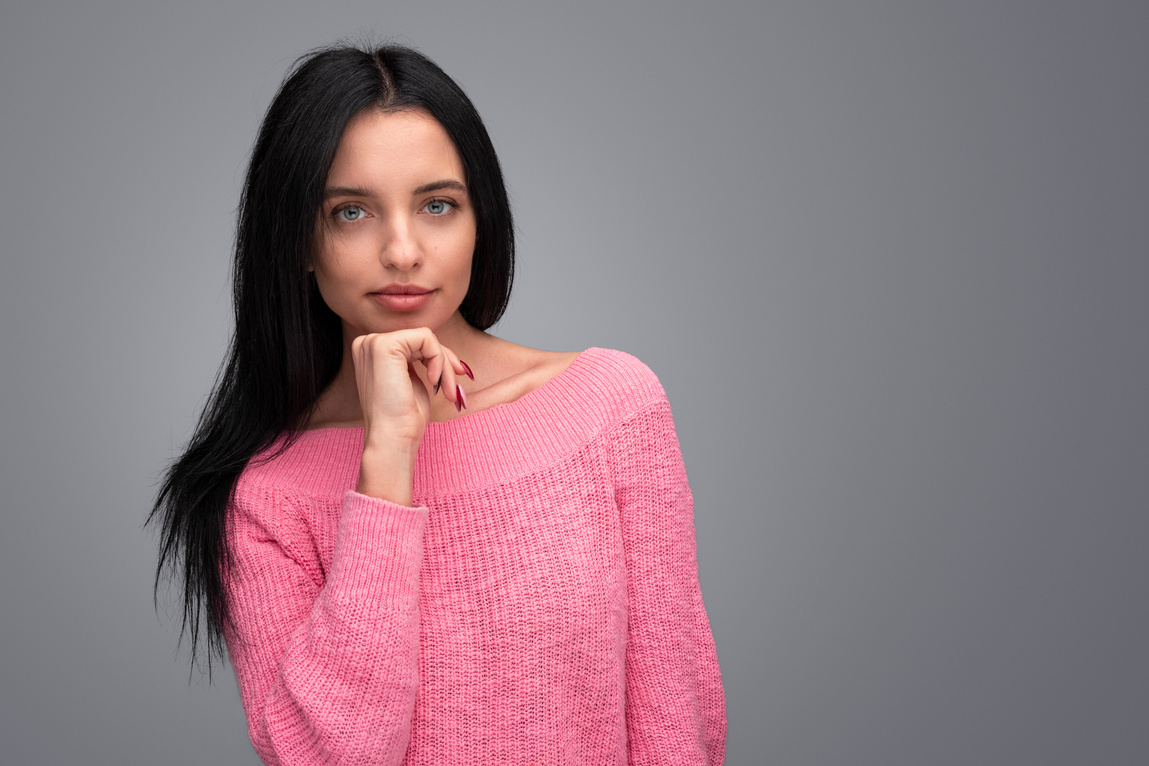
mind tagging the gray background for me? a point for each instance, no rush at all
(889, 259)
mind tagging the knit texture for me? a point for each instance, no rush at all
(541, 604)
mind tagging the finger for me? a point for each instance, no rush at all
(457, 368)
(443, 366)
(439, 361)
(458, 365)
(434, 367)
(448, 381)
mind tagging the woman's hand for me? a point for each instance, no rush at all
(396, 404)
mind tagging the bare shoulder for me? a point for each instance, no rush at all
(504, 359)
(547, 364)
(509, 371)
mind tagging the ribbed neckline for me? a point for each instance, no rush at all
(497, 444)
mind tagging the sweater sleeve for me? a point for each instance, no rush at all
(327, 666)
(675, 706)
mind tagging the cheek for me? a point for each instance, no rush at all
(463, 268)
(466, 250)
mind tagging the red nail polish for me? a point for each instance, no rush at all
(460, 399)
(467, 369)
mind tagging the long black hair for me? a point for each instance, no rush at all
(288, 345)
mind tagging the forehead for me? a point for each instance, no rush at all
(403, 147)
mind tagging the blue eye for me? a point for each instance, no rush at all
(349, 213)
(437, 207)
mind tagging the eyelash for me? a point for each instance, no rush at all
(337, 211)
(449, 204)
(335, 214)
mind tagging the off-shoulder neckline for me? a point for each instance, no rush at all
(556, 380)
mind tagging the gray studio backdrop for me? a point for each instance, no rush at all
(890, 260)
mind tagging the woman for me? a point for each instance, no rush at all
(414, 558)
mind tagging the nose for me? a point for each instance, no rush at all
(401, 248)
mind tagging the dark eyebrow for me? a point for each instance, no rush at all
(356, 191)
(446, 183)
(345, 191)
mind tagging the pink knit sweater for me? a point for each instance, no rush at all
(540, 605)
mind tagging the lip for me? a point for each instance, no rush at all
(399, 297)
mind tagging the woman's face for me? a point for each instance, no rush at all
(397, 228)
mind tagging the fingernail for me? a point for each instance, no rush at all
(460, 399)
(467, 369)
